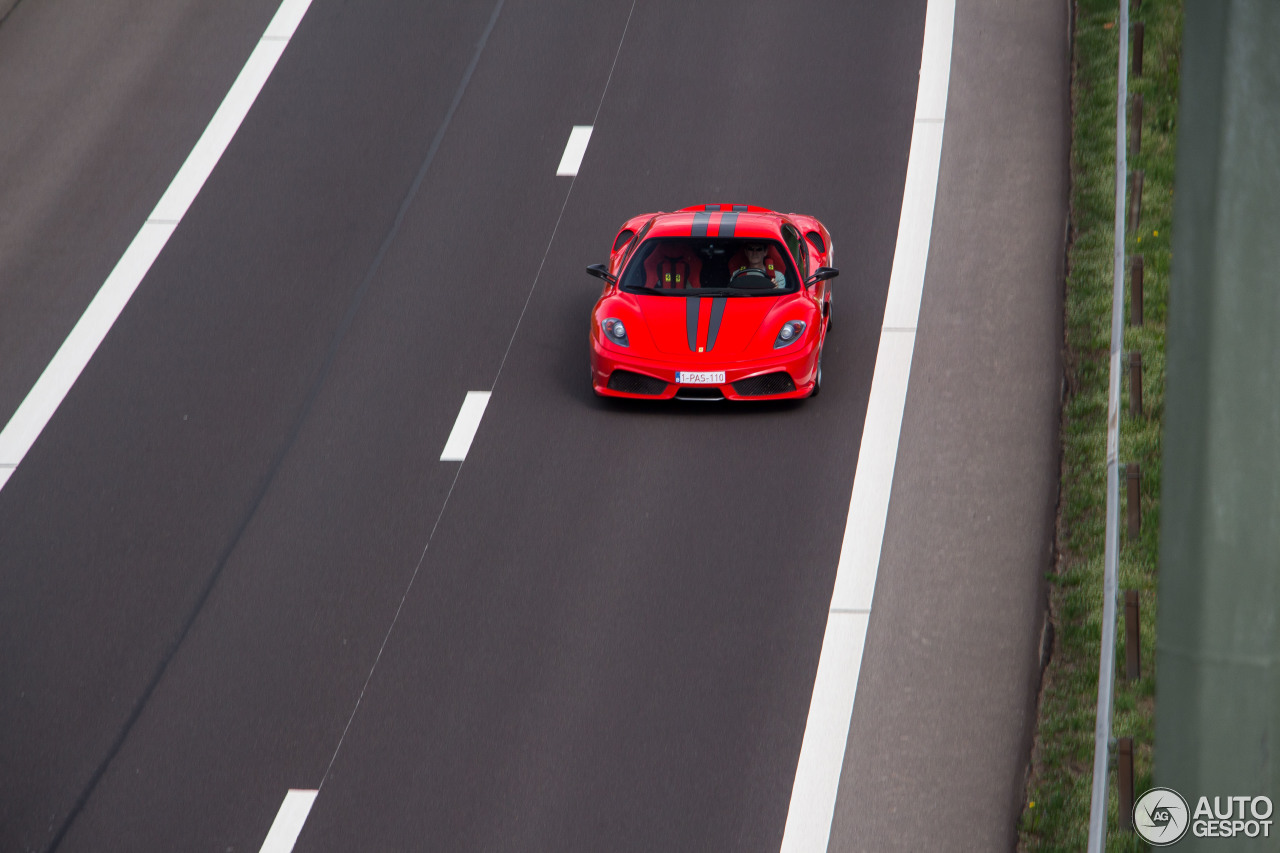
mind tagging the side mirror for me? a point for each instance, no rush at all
(601, 271)
(821, 274)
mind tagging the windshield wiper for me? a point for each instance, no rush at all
(758, 291)
(684, 291)
(657, 291)
(706, 291)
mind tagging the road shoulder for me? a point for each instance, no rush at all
(945, 711)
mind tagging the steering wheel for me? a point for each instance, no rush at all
(752, 271)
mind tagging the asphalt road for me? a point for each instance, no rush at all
(601, 629)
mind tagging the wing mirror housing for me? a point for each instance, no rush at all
(821, 274)
(601, 271)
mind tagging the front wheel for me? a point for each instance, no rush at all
(817, 380)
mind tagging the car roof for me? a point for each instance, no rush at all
(719, 220)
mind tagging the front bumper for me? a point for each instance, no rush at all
(800, 363)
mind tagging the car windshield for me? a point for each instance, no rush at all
(692, 266)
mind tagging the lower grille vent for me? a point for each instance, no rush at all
(763, 386)
(635, 383)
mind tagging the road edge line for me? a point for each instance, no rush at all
(822, 751)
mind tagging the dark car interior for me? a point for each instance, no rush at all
(674, 265)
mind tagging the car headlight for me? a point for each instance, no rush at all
(789, 334)
(615, 331)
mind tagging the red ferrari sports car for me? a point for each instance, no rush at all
(713, 302)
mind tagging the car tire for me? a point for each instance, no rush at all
(817, 381)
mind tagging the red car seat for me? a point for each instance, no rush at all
(672, 268)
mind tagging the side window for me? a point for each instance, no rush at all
(797, 248)
(623, 236)
(621, 260)
(639, 238)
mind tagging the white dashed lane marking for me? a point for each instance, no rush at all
(464, 428)
(289, 820)
(574, 149)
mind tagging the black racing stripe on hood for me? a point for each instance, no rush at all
(700, 223)
(691, 305)
(740, 208)
(717, 311)
(727, 223)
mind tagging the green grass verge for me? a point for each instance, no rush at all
(1056, 813)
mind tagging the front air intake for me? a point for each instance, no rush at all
(767, 385)
(635, 383)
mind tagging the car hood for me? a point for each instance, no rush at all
(720, 325)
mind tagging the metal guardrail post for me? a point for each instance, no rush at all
(1133, 498)
(1107, 654)
(1135, 199)
(1138, 32)
(1124, 783)
(1132, 636)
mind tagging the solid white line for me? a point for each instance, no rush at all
(289, 820)
(574, 149)
(869, 503)
(62, 371)
(464, 428)
(813, 796)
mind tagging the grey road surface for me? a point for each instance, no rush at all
(602, 627)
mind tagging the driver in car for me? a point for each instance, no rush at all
(758, 264)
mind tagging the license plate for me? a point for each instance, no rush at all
(699, 377)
